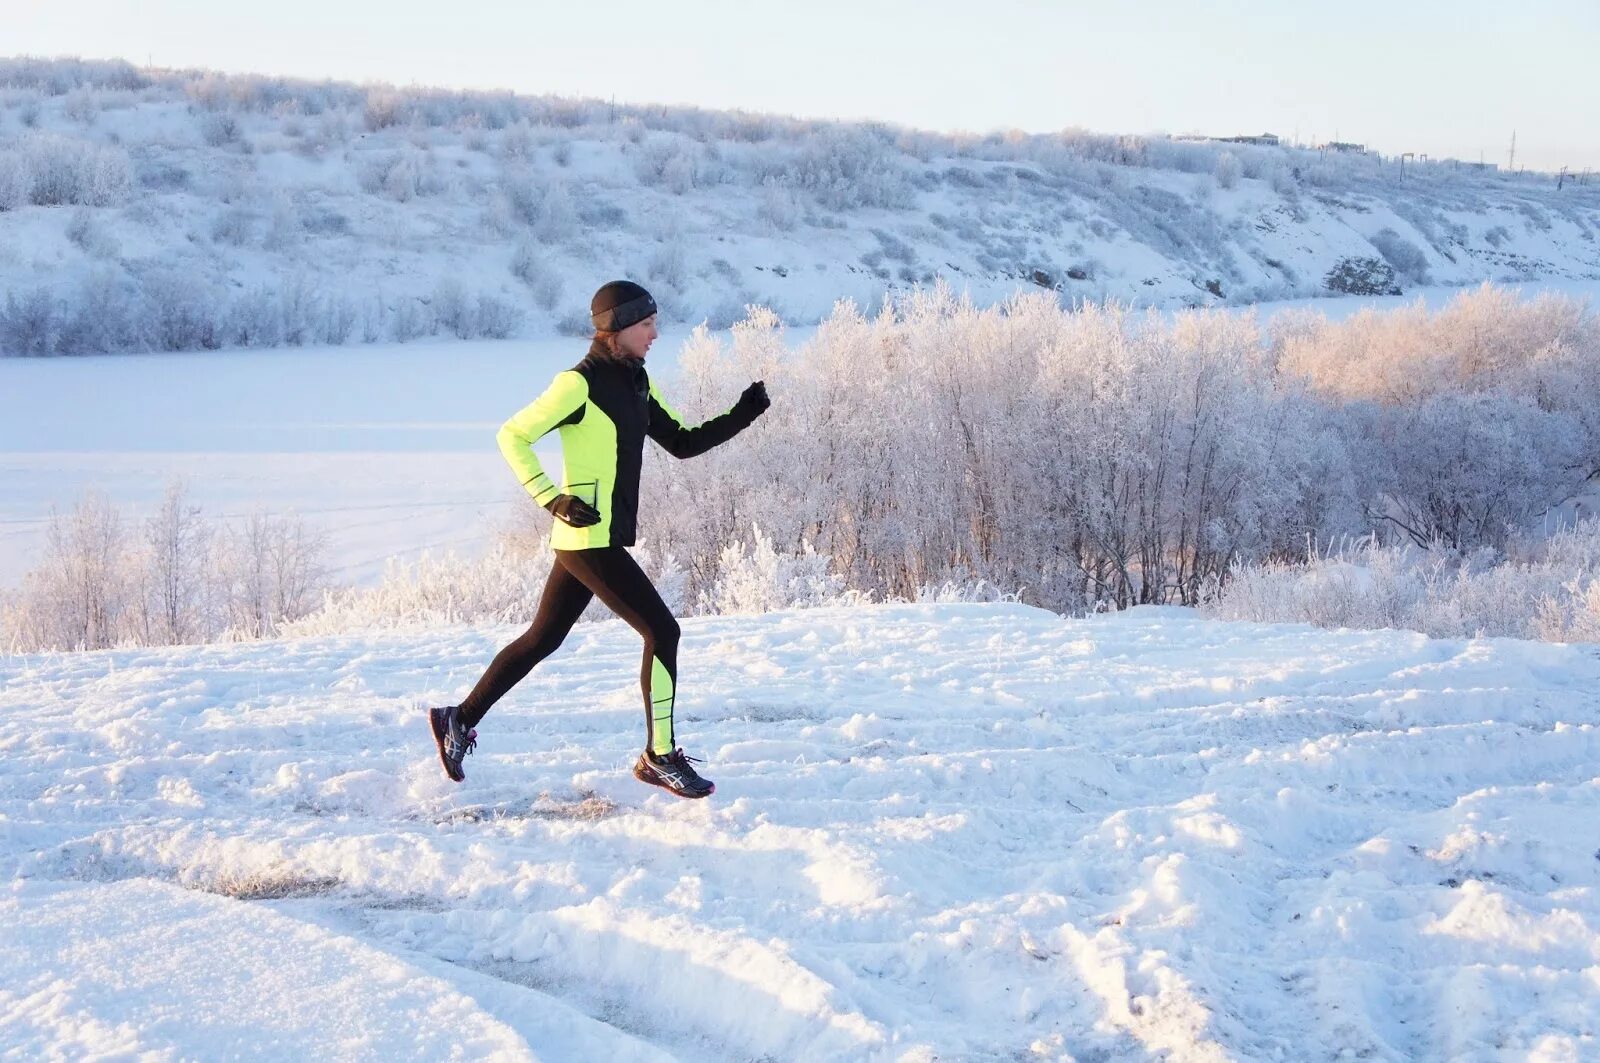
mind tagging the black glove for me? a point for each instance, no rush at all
(754, 401)
(573, 510)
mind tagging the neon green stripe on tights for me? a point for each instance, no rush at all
(660, 708)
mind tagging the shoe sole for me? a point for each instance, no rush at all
(436, 724)
(712, 788)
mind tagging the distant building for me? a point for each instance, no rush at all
(1343, 145)
(1269, 140)
(1266, 139)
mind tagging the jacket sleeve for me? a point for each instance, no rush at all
(561, 403)
(667, 428)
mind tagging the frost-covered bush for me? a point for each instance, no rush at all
(778, 207)
(529, 266)
(220, 128)
(500, 586)
(31, 323)
(847, 168)
(179, 313)
(486, 316)
(176, 576)
(60, 76)
(234, 226)
(669, 266)
(1105, 456)
(82, 105)
(63, 171)
(495, 318)
(85, 231)
(15, 180)
(401, 175)
(1541, 589)
(541, 203)
(757, 578)
(666, 162)
(1406, 257)
(1227, 170)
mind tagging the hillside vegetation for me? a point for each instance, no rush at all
(174, 210)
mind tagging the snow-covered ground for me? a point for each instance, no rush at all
(940, 832)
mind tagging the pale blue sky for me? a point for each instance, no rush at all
(1446, 77)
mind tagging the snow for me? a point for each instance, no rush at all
(940, 831)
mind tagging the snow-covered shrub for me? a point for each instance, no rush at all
(175, 604)
(541, 203)
(105, 581)
(78, 597)
(82, 105)
(847, 168)
(669, 266)
(758, 578)
(15, 180)
(103, 315)
(220, 128)
(31, 323)
(1542, 589)
(500, 586)
(664, 162)
(779, 207)
(528, 266)
(270, 571)
(495, 318)
(466, 318)
(452, 309)
(1101, 455)
(283, 224)
(338, 320)
(401, 175)
(383, 108)
(255, 319)
(179, 314)
(1227, 170)
(576, 322)
(1406, 257)
(410, 319)
(234, 226)
(63, 171)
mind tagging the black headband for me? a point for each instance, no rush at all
(629, 313)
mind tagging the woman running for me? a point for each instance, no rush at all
(604, 407)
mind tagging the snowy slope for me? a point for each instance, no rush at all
(941, 831)
(242, 199)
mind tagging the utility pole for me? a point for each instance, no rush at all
(1511, 163)
(1561, 178)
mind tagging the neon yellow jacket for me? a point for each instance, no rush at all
(604, 407)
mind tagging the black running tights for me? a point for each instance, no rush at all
(611, 573)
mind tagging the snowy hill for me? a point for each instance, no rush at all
(178, 210)
(941, 831)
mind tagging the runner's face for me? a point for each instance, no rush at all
(635, 340)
